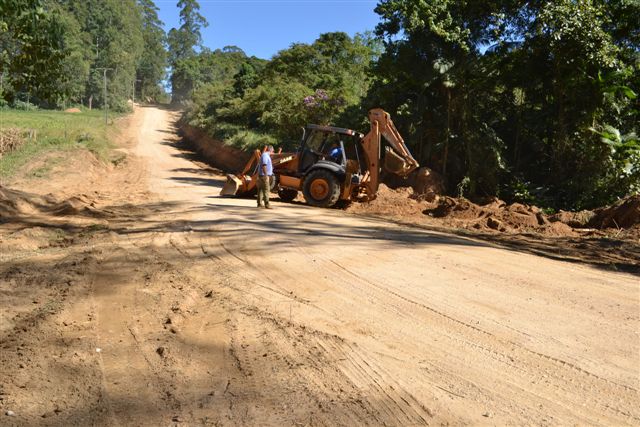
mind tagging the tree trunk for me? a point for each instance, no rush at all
(445, 157)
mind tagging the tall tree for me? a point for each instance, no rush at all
(112, 33)
(183, 43)
(32, 50)
(152, 65)
(250, 101)
(53, 51)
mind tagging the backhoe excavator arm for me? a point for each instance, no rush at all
(398, 161)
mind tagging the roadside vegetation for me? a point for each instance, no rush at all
(535, 102)
(39, 132)
(532, 102)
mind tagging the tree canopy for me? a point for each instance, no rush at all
(183, 44)
(255, 101)
(53, 51)
(534, 101)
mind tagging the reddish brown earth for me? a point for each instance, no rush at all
(131, 294)
(586, 236)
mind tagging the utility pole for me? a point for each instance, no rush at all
(133, 93)
(106, 105)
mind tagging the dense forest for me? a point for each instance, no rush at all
(55, 53)
(532, 101)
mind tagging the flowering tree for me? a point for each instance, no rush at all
(322, 108)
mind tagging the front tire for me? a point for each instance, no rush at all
(321, 188)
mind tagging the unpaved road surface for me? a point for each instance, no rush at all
(152, 301)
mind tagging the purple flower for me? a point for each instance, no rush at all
(322, 94)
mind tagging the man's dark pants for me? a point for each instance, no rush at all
(263, 190)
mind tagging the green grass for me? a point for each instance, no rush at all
(55, 131)
(43, 171)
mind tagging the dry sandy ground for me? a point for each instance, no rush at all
(151, 301)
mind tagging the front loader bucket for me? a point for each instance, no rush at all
(232, 186)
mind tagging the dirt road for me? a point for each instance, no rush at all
(161, 303)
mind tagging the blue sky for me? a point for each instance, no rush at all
(263, 27)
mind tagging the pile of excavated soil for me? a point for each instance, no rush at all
(72, 110)
(623, 214)
(428, 184)
(493, 216)
(15, 203)
(389, 202)
(564, 235)
(497, 216)
(578, 219)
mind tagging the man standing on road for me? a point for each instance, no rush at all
(265, 175)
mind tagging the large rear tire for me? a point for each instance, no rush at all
(321, 188)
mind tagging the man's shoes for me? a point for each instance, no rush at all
(268, 207)
(259, 206)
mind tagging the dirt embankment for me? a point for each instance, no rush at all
(215, 152)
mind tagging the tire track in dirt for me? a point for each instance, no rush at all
(563, 383)
(119, 325)
(398, 410)
(570, 380)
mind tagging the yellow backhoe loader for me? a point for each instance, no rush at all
(333, 164)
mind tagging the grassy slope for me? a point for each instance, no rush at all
(56, 130)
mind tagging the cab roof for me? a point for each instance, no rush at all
(334, 129)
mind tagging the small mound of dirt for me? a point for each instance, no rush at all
(495, 214)
(623, 214)
(29, 239)
(14, 203)
(451, 207)
(76, 205)
(388, 202)
(559, 229)
(72, 110)
(428, 184)
(573, 219)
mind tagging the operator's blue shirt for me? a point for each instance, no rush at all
(265, 159)
(336, 154)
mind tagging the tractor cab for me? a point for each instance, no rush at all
(329, 147)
